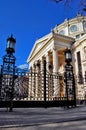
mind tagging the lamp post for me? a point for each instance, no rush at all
(8, 71)
(10, 46)
(69, 78)
(68, 56)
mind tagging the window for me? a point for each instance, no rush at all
(77, 36)
(73, 28)
(80, 78)
(84, 26)
(62, 32)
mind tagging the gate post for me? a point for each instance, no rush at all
(69, 79)
(8, 73)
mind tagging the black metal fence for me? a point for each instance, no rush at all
(41, 89)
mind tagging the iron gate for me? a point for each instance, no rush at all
(40, 89)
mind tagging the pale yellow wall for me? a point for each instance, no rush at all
(79, 46)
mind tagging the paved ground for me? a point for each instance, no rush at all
(43, 118)
(76, 125)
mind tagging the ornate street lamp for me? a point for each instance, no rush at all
(10, 46)
(68, 56)
(69, 78)
(8, 72)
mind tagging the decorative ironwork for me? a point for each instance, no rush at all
(8, 73)
(69, 77)
(36, 88)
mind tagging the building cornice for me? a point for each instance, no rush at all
(69, 22)
(64, 37)
(80, 41)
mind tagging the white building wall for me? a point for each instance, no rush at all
(78, 46)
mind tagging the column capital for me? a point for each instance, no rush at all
(37, 63)
(47, 54)
(30, 68)
(55, 48)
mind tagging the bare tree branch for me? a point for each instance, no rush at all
(65, 1)
(57, 1)
(82, 4)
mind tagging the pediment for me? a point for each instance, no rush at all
(38, 46)
(40, 43)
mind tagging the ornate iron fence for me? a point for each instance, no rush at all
(40, 89)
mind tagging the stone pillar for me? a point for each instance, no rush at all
(47, 76)
(55, 60)
(47, 62)
(55, 70)
(33, 80)
(37, 80)
(42, 79)
(30, 84)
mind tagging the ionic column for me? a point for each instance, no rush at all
(47, 62)
(47, 75)
(42, 79)
(37, 80)
(30, 84)
(55, 70)
(55, 60)
(33, 80)
(41, 65)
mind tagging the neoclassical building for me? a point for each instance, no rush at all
(69, 34)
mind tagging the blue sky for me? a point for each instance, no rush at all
(28, 20)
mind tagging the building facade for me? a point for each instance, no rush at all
(70, 34)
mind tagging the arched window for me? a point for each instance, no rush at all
(73, 28)
(62, 32)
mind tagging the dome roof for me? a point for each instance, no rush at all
(75, 27)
